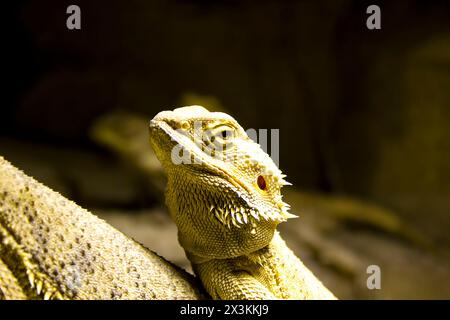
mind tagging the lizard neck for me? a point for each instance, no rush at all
(202, 235)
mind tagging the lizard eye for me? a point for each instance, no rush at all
(261, 183)
(226, 134)
(221, 135)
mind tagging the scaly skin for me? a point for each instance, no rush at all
(50, 248)
(223, 193)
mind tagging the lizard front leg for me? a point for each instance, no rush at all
(223, 280)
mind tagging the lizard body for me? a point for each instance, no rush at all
(50, 248)
(223, 193)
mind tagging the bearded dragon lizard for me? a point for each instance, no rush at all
(50, 248)
(223, 193)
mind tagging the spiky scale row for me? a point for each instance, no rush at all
(44, 289)
(42, 285)
(238, 217)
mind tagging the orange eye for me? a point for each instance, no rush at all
(261, 183)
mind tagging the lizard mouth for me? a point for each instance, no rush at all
(165, 138)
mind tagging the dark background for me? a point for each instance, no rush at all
(363, 113)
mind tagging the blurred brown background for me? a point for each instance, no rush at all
(364, 118)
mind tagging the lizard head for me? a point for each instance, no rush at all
(223, 190)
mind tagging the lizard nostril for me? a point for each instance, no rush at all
(261, 183)
(184, 125)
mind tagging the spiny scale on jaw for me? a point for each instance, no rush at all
(267, 168)
(238, 217)
(273, 172)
